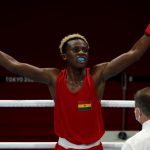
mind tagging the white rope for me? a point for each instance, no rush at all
(26, 103)
(118, 103)
(50, 103)
(27, 145)
(49, 145)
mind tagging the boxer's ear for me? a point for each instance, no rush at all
(63, 56)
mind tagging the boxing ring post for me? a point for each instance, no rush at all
(124, 81)
(50, 103)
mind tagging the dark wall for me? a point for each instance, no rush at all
(31, 31)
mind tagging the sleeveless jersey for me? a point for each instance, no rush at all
(77, 116)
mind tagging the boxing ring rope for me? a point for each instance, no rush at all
(49, 145)
(50, 103)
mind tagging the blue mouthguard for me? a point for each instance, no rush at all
(81, 59)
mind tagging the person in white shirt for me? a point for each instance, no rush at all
(141, 140)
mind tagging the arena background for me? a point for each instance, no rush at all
(31, 31)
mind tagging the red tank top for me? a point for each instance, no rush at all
(77, 116)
